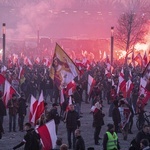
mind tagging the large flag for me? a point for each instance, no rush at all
(39, 109)
(33, 105)
(48, 135)
(91, 84)
(8, 92)
(63, 70)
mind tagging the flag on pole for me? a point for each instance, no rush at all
(48, 135)
(39, 109)
(33, 105)
(8, 92)
(63, 70)
(145, 61)
(91, 83)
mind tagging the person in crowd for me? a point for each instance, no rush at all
(64, 147)
(72, 123)
(98, 121)
(79, 145)
(2, 112)
(110, 141)
(116, 116)
(77, 95)
(53, 114)
(58, 144)
(143, 134)
(22, 106)
(144, 144)
(126, 116)
(113, 95)
(31, 139)
(13, 110)
(140, 105)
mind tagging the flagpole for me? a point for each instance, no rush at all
(112, 44)
(4, 32)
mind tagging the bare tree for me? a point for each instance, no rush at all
(132, 26)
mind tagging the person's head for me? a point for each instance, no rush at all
(111, 127)
(63, 147)
(116, 103)
(146, 129)
(71, 107)
(77, 132)
(141, 97)
(27, 126)
(59, 141)
(144, 143)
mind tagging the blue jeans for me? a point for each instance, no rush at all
(12, 120)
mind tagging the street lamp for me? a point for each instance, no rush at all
(4, 32)
(112, 44)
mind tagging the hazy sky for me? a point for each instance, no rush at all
(60, 18)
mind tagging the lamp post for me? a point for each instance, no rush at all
(4, 36)
(112, 44)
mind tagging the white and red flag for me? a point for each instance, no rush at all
(145, 60)
(21, 72)
(63, 70)
(138, 59)
(48, 135)
(37, 60)
(8, 92)
(122, 84)
(33, 105)
(39, 109)
(71, 88)
(91, 84)
(3, 69)
(46, 62)
(129, 87)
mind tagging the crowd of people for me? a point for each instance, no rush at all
(122, 109)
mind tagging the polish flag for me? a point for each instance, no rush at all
(8, 92)
(138, 59)
(61, 97)
(71, 87)
(145, 61)
(48, 135)
(28, 62)
(122, 85)
(39, 109)
(33, 105)
(37, 60)
(108, 74)
(2, 79)
(3, 69)
(91, 83)
(129, 87)
(21, 72)
(46, 62)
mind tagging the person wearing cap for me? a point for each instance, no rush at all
(53, 114)
(13, 110)
(110, 141)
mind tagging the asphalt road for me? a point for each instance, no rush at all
(11, 139)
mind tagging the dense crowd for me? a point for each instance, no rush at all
(122, 108)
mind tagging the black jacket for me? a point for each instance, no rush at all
(98, 116)
(2, 108)
(79, 145)
(72, 120)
